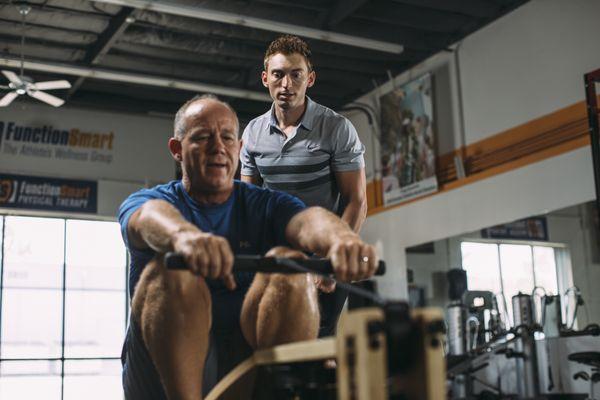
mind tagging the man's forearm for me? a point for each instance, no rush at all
(155, 224)
(355, 213)
(315, 229)
(353, 190)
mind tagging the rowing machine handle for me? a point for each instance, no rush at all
(252, 263)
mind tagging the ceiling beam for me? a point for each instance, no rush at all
(341, 10)
(241, 56)
(116, 27)
(258, 23)
(410, 16)
(105, 41)
(155, 23)
(140, 79)
(474, 8)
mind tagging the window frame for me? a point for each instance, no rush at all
(562, 261)
(63, 289)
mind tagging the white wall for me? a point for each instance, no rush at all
(576, 228)
(138, 155)
(527, 64)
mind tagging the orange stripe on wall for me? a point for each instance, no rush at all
(548, 136)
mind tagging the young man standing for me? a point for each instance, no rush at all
(305, 149)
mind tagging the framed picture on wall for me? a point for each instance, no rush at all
(408, 142)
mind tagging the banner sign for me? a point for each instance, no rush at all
(38, 140)
(50, 194)
(46, 141)
(408, 142)
(535, 228)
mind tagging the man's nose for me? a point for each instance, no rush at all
(286, 81)
(217, 144)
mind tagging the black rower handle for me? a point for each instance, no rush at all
(251, 263)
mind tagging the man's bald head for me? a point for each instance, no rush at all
(179, 126)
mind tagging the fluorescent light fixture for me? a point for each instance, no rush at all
(97, 73)
(258, 23)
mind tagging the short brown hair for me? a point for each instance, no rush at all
(289, 44)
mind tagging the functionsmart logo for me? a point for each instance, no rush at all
(47, 134)
(8, 190)
(49, 142)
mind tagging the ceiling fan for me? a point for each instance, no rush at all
(21, 84)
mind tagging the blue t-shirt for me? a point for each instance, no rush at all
(253, 220)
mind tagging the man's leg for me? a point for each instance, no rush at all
(280, 308)
(172, 309)
(332, 305)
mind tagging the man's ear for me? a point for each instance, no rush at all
(175, 148)
(312, 76)
(263, 78)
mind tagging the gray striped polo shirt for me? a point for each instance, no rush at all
(304, 163)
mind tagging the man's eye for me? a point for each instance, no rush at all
(277, 75)
(201, 136)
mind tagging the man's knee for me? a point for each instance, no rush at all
(294, 289)
(159, 288)
(293, 283)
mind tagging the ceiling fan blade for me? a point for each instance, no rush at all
(8, 98)
(46, 98)
(11, 76)
(50, 85)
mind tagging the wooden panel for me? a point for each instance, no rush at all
(372, 194)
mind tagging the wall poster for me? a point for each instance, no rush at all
(408, 142)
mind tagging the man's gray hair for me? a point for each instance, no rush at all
(179, 127)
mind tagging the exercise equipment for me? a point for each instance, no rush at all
(385, 351)
(590, 359)
(526, 361)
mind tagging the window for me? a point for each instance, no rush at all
(509, 268)
(63, 308)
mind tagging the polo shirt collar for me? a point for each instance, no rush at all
(307, 119)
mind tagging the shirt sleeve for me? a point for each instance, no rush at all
(283, 208)
(131, 205)
(246, 158)
(348, 150)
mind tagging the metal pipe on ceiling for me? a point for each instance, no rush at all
(258, 23)
(118, 76)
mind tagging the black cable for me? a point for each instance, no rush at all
(486, 384)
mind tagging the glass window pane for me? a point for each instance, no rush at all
(94, 323)
(95, 255)
(480, 260)
(545, 269)
(30, 380)
(517, 271)
(93, 380)
(1, 233)
(31, 323)
(33, 252)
